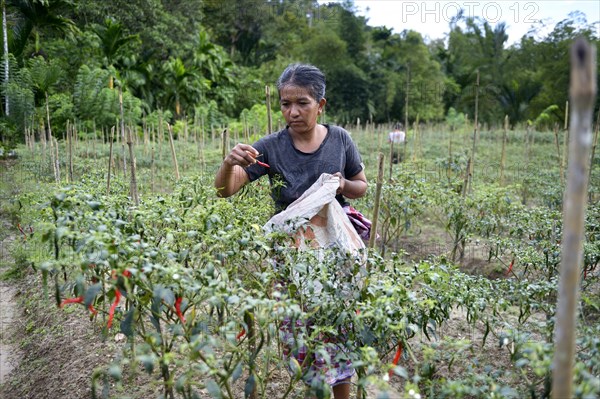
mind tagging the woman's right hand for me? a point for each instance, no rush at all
(243, 155)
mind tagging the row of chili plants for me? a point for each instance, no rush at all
(191, 281)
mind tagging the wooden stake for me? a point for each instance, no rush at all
(269, 121)
(56, 161)
(475, 132)
(110, 158)
(595, 142)
(122, 133)
(391, 158)
(566, 115)
(558, 157)
(173, 151)
(406, 110)
(224, 144)
(503, 156)
(582, 94)
(70, 140)
(377, 200)
(133, 189)
(152, 171)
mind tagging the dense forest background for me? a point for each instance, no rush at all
(190, 59)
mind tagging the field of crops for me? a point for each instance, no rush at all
(457, 297)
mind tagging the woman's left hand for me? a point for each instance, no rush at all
(342, 182)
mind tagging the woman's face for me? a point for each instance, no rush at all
(299, 108)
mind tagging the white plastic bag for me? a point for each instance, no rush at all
(317, 220)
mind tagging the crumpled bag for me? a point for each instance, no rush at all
(317, 220)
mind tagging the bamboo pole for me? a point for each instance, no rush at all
(160, 135)
(406, 111)
(201, 149)
(56, 161)
(122, 133)
(391, 158)
(133, 189)
(503, 156)
(566, 115)
(475, 132)
(377, 200)
(110, 158)
(269, 120)
(70, 140)
(582, 94)
(558, 157)
(152, 170)
(225, 140)
(173, 154)
(594, 143)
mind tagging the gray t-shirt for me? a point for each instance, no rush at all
(298, 170)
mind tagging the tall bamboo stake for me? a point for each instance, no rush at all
(110, 158)
(269, 120)
(503, 156)
(173, 152)
(56, 161)
(152, 171)
(70, 139)
(225, 140)
(565, 148)
(582, 94)
(377, 200)
(406, 110)
(566, 115)
(201, 149)
(595, 142)
(391, 158)
(133, 183)
(475, 132)
(122, 133)
(160, 135)
(558, 157)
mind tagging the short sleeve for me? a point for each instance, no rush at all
(354, 163)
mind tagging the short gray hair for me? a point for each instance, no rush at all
(306, 76)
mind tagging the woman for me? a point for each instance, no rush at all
(298, 155)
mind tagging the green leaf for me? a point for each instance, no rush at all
(148, 362)
(213, 389)
(90, 294)
(237, 372)
(250, 386)
(522, 362)
(95, 205)
(115, 372)
(127, 323)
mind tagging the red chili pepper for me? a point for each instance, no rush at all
(178, 309)
(79, 299)
(263, 164)
(396, 358)
(111, 311)
(240, 334)
(510, 267)
(126, 273)
(22, 232)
